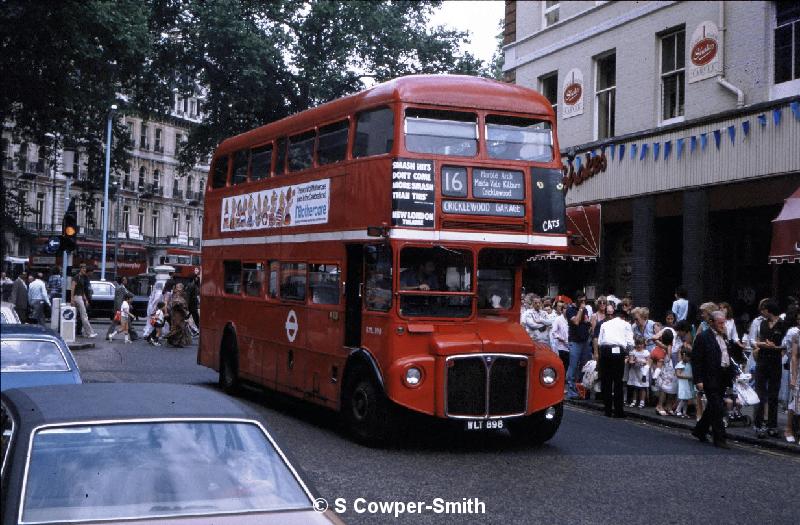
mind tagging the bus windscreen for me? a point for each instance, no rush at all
(514, 138)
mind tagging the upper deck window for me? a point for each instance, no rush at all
(280, 162)
(374, 133)
(260, 162)
(301, 151)
(219, 177)
(515, 138)
(441, 132)
(332, 146)
(241, 160)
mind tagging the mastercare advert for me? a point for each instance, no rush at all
(295, 205)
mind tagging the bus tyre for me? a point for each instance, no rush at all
(367, 411)
(537, 428)
(229, 374)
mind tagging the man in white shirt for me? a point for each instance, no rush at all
(614, 343)
(537, 322)
(559, 335)
(680, 306)
(37, 298)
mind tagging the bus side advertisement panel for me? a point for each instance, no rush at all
(292, 205)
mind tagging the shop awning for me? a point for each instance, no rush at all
(786, 232)
(583, 227)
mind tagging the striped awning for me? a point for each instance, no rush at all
(785, 246)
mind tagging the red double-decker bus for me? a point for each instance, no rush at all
(366, 255)
(131, 260)
(184, 260)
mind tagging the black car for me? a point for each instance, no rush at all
(143, 453)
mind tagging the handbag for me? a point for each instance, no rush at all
(117, 316)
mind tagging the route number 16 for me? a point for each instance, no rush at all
(454, 182)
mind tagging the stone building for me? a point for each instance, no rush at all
(682, 120)
(151, 210)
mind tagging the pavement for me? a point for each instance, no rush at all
(735, 432)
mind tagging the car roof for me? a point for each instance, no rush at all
(27, 331)
(55, 404)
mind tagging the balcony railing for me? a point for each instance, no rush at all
(177, 194)
(194, 197)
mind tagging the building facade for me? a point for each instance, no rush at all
(682, 119)
(151, 210)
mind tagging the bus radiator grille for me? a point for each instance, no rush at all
(486, 385)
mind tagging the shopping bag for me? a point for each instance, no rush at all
(747, 396)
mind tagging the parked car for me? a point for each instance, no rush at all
(102, 303)
(8, 315)
(136, 453)
(31, 355)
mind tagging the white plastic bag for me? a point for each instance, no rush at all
(747, 396)
(589, 374)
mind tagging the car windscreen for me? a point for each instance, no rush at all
(25, 355)
(100, 288)
(441, 132)
(515, 138)
(152, 469)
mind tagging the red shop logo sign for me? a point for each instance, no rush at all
(572, 94)
(704, 51)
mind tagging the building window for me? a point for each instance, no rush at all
(156, 179)
(126, 217)
(141, 220)
(192, 108)
(605, 94)
(158, 145)
(548, 86)
(672, 74)
(39, 210)
(787, 41)
(154, 222)
(143, 137)
(188, 184)
(186, 105)
(142, 177)
(550, 13)
(188, 225)
(175, 224)
(178, 142)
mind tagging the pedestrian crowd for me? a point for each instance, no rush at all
(691, 362)
(173, 308)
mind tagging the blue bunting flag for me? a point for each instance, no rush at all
(703, 141)
(732, 133)
(776, 116)
(656, 149)
(643, 152)
(681, 142)
(667, 149)
(762, 119)
(746, 127)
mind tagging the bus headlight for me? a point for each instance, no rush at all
(548, 376)
(413, 376)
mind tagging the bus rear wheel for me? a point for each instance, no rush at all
(229, 374)
(367, 411)
(539, 427)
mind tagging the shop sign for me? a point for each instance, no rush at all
(294, 205)
(572, 94)
(588, 169)
(705, 52)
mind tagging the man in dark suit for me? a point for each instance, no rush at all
(711, 367)
(19, 296)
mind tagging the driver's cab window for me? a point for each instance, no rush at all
(430, 278)
(495, 280)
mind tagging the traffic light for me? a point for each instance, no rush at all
(69, 228)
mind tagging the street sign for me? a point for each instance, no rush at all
(53, 245)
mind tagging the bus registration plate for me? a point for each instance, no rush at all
(484, 424)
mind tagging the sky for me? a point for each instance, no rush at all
(480, 18)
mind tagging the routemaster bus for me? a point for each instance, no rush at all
(366, 255)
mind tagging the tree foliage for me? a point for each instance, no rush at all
(65, 63)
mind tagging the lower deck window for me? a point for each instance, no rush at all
(324, 283)
(293, 281)
(252, 276)
(232, 271)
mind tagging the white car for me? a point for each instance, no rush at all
(8, 315)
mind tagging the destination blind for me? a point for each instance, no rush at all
(413, 193)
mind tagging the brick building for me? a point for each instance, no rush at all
(682, 119)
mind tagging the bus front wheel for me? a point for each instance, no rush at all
(539, 427)
(367, 411)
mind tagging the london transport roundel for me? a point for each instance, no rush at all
(292, 327)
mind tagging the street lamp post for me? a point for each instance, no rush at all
(105, 192)
(116, 229)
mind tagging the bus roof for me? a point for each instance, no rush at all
(458, 91)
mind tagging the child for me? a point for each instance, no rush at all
(124, 319)
(157, 322)
(664, 375)
(638, 375)
(685, 387)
